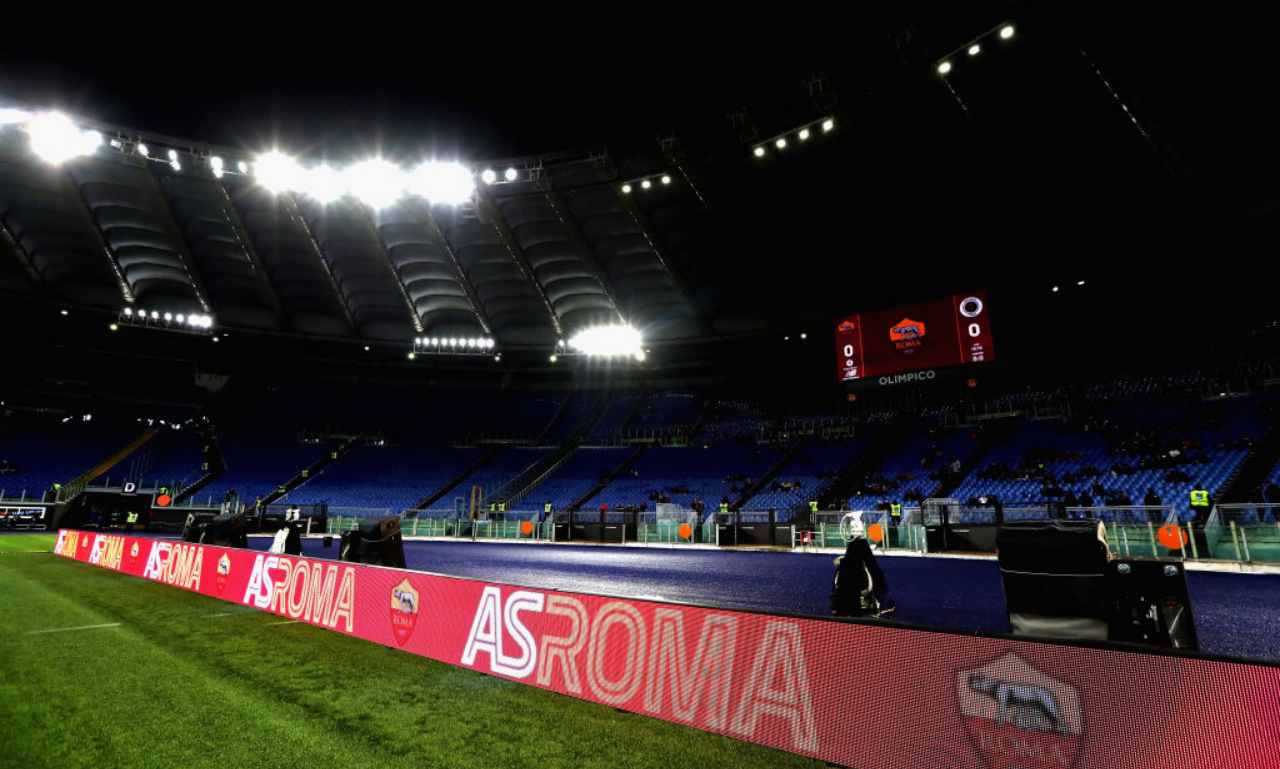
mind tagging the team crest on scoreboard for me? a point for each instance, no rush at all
(222, 572)
(907, 335)
(846, 327)
(1019, 717)
(404, 611)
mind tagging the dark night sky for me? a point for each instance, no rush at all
(1043, 181)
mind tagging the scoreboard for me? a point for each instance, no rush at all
(945, 332)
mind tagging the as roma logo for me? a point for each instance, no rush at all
(404, 611)
(133, 551)
(222, 572)
(907, 335)
(1019, 717)
(845, 327)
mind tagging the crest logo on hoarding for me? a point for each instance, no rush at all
(1019, 717)
(404, 611)
(222, 572)
(133, 551)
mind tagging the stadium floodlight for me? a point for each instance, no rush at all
(1055, 289)
(277, 172)
(366, 348)
(1006, 32)
(1079, 282)
(453, 342)
(155, 315)
(376, 182)
(639, 356)
(780, 143)
(804, 335)
(666, 179)
(180, 318)
(323, 184)
(607, 341)
(168, 317)
(646, 184)
(511, 174)
(64, 313)
(243, 167)
(117, 144)
(413, 355)
(128, 312)
(944, 68)
(173, 154)
(497, 358)
(626, 189)
(803, 135)
(828, 125)
(554, 358)
(471, 343)
(55, 139)
(215, 163)
(488, 176)
(12, 116)
(442, 182)
(758, 152)
(143, 150)
(114, 327)
(975, 49)
(560, 343)
(175, 165)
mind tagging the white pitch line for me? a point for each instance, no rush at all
(286, 622)
(71, 629)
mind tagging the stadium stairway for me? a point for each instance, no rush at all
(622, 467)
(835, 495)
(523, 484)
(426, 502)
(988, 436)
(212, 463)
(768, 477)
(73, 487)
(310, 471)
(1255, 471)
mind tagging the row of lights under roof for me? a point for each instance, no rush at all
(189, 320)
(490, 176)
(474, 344)
(645, 183)
(1056, 289)
(945, 66)
(802, 135)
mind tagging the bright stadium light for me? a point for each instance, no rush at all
(646, 184)
(944, 68)
(277, 172)
(168, 317)
(413, 355)
(488, 176)
(666, 179)
(1079, 282)
(128, 312)
(323, 184)
(376, 182)
(607, 341)
(1055, 289)
(758, 152)
(143, 150)
(780, 143)
(243, 167)
(442, 182)
(803, 135)
(626, 189)
(453, 342)
(180, 319)
(215, 163)
(975, 49)
(173, 154)
(828, 125)
(11, 116)
(55, 139)
(511, 174)
(639, 356)
(1006, 32)
(554, 358)
(175, 165)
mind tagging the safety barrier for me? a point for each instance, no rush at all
(957, 700)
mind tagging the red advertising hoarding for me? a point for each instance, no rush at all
(859, 695)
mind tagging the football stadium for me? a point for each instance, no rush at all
(913, 401)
